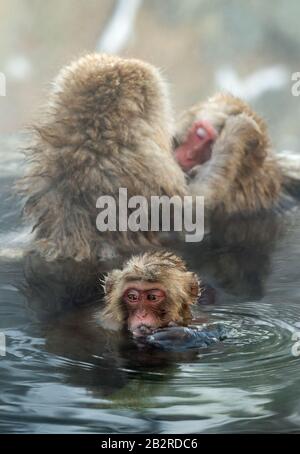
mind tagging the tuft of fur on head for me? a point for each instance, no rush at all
(182, 286)
(107, 125)
(243, 167)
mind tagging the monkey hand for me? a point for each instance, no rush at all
(242, 133)
(182, 338)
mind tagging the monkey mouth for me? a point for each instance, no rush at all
(142, 330)
(146, 330)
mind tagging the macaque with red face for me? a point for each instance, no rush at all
(144, 301)
(153, 290)
(224, 148)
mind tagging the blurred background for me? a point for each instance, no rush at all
(250, 48)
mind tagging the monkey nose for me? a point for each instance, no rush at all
(142, 314)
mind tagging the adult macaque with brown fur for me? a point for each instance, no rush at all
(224, 147)
(107, 125)
(153, 290)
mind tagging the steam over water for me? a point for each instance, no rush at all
(64, 374)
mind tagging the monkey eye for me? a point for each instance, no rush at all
(201, 133)
(155, 295)
(132, 295)
(151, 297)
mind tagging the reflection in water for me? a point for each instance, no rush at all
(63, 373)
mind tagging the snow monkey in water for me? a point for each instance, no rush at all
(152, 290)
(107, 125)
(225, 150)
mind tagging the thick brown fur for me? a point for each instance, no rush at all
(181, 286)
(107, 125)
(243, 175)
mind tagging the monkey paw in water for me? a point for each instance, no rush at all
(179, 338)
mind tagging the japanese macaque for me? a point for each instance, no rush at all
(107, 125)
(153, 290)
(224, 147)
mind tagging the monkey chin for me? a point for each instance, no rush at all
(145, 329)
(142, 330)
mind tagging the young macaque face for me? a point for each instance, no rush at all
(153, 290)
(145, 303)
(197, 147)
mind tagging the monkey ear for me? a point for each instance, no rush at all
(110, 280)
(255, 148)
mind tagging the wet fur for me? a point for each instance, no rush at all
(182, 287)
(107, 124)
(243, 175)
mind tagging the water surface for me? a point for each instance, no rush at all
(62, 373)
